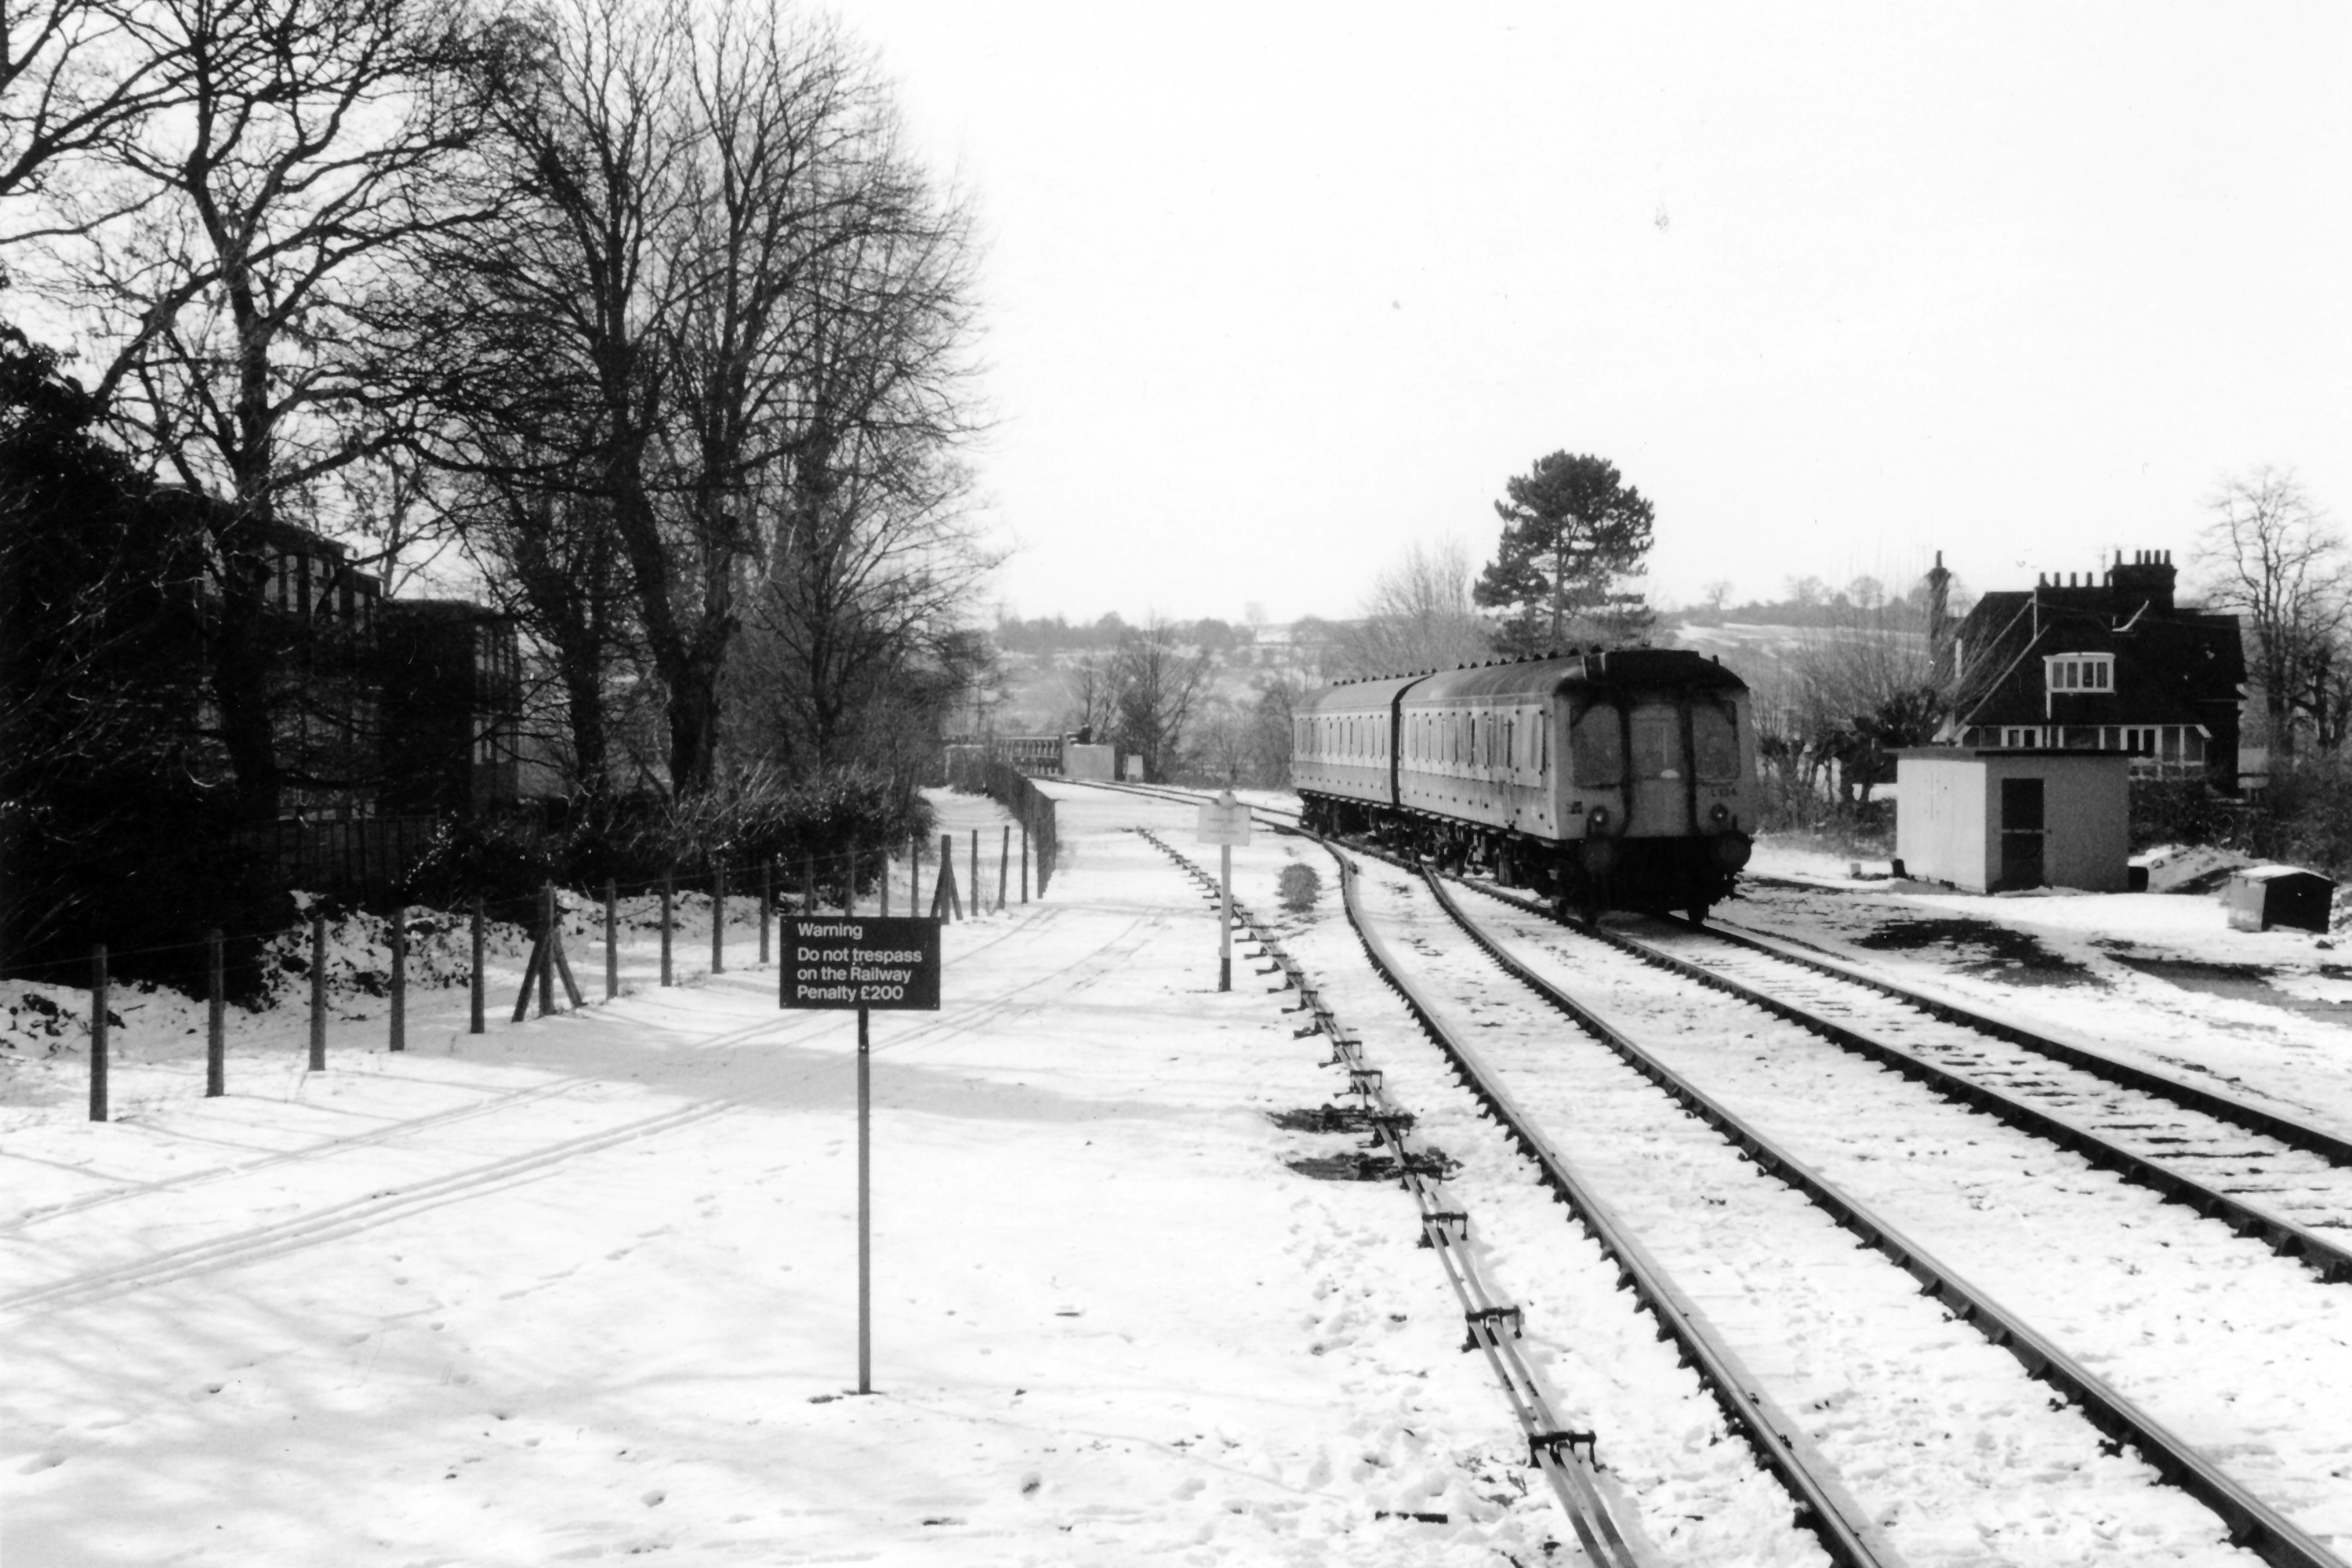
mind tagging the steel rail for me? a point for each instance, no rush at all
(2330, 1259)
(2334, 1147)
(2250, 1522)
(2332, 1262)
(1824, 1506)
(2293, 1130)
(1445, 1228)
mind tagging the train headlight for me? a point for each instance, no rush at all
(1598, 817)
(1720, 815)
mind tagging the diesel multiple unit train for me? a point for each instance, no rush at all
(1621, 779)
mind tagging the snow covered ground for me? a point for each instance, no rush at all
(2155, 978)
(585, 1287)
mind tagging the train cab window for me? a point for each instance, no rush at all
(1657, 744)
(1715, 740)
(1599, 745)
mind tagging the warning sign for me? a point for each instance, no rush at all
(860, 960)
(1224, 820)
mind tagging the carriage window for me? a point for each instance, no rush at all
(1714, 743)
(1600, 749)
(1657, 744)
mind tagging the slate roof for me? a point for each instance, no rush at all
(2173, 665)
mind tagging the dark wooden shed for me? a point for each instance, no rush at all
(2260, 897)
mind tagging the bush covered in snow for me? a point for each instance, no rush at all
(756, 817)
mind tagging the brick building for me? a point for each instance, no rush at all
(2104, 662)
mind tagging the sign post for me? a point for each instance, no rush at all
(1224, 822)
(861, 961)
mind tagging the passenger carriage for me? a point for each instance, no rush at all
(1625, 778)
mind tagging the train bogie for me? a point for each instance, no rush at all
(1623, 779)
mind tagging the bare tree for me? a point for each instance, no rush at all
(1418, 615)
(552, 561)
(2278, 561)
(73, 75)
(1219, 742)
(1161, 687)
(741, 314)
(1859, 686)
(1090, 690)
(869, 560)
(223, 305)
(393, 502)
(1270, 739)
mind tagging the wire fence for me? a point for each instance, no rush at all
(852, 882)
(977, 773)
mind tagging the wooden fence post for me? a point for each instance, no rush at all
(946, 901)
(612, 940)
(808, 882)
(669, 892)
(1024, 859)
(400, 978)
(914, 875)
(317, 992)
(98, 1044)
(767, 903)
(215, 1018)
(978, 905)
(1003, 866)
(849, 881)
(719, 919)
(882, 878)
(547, 949)
(478, 1023)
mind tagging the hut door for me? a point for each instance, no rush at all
(2020, 833)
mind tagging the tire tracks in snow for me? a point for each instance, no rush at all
(261, 1243)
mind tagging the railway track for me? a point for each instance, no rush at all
(2248, 1519)
(2264, 1172)
(1494, 1326)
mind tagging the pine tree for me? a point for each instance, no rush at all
(1572, 529)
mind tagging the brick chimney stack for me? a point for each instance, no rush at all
(2146, 578)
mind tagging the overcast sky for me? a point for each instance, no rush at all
(1274, 290)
